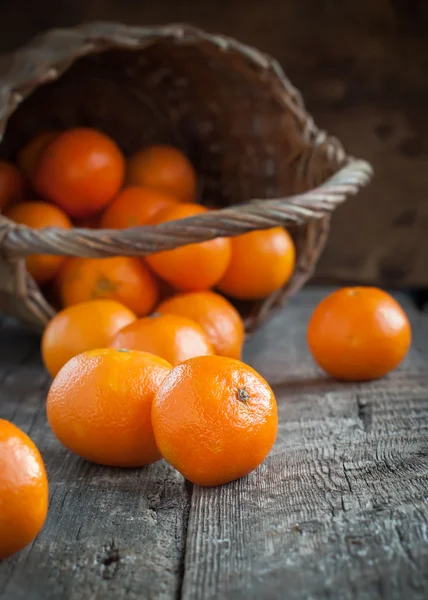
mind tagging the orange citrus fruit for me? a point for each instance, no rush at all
(214, 419)
(218, 318)
(81, 171)
(84, 326)
(358, 334)
(135, 206)
(163, 168)
(37, 215)
(120, 278)
(261, 263)
(192, 267)
(172, 337)
(99, 406)
(23, 490)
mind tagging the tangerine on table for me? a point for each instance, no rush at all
(11, 185)
(81, 171)
(193, 267)
(84, 326)
(135, 206)
(28, 157)
(99, 406)
(358, 334)
(163, 168)
(172, 337)
(37, 215)
(218, 318)
(23, 490)
(261, 263)
(214, 419)
(121, 278)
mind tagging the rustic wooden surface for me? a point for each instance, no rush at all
(361, 67)
(337, 511)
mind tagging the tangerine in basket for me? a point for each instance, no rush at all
(99, 406)
(11, 185)
(28, 157)
(37, 215)
(135, 206)
(23, 490)
(218, 318)
(81, 171)
(84, 326)
(174, 338)
(261, 263)
(358, 334)
(192, 267)
(214, 419)
(121, 278)
(163, 168)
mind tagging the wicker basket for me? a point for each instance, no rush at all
(260, 158)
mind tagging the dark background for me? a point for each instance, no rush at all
(363, 70)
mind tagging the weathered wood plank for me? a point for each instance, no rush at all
(339, 509)
(109, 532)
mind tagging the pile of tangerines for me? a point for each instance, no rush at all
(145, 356)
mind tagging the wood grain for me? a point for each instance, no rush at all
(338, 511)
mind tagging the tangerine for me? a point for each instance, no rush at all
(135, 206)
(81, 170)
(42, 267)
(358, 334)
(85, 326)
(99, 406)
(193, 267)
(261, 262)
(120, 278)
(220, 320)
(214, 419)
(172, 337)
(163, 168)
(23, 490)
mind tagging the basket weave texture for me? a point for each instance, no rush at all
(260, 158)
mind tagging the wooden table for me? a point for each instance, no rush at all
(339, 510)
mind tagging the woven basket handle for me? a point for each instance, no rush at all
(17, 241)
